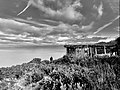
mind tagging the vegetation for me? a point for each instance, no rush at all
(83, 74)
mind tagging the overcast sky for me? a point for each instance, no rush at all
(58, 22)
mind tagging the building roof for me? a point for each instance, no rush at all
(89, 45)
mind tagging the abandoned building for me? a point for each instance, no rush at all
(89, 50)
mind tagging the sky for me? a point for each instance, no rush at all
(57, 22)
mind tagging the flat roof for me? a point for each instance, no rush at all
(88, 45)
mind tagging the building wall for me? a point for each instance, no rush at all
(82, 52)
(85, 50)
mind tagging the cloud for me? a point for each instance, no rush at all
(18, 32)
(106, 25)
(88, 40)
(9, 26)
(54, 22)
(67, 12)
(114, 5)
(117, 28)
(63, 38)
(100, 10)
(34, 23)
(108, 39)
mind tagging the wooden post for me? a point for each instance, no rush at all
(88, 51)
(95, 51)
(77, 52)
(105, 50)
(91, 51)
(82, 51)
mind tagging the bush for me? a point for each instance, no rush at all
(36, 60)
(36, 77)
(66, 59)
(51, 59)
(1, 75)
(46, 62)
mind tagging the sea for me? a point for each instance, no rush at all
(18, 56)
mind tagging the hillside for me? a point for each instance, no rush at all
(89, 73)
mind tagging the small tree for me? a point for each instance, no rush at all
(51, 59)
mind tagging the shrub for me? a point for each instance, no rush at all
(51, 59)
(36, 60)
(36, 77)
(1, 75)
(46, 62)
(66, 59)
